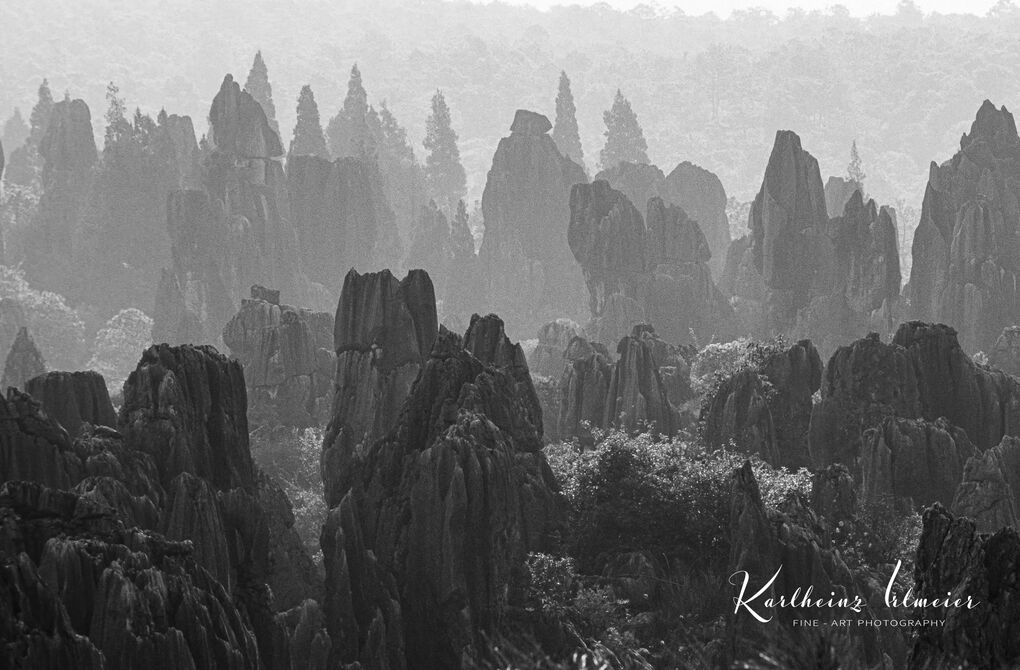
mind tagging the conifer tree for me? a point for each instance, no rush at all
(39, 121)
(855, 169)
(259, 88)
(624, 139)
(308, 137)
(565, 132)
(24, 165)
(443, 171)
(348, 131)
(117, 125)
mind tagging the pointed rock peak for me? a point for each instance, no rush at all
(992, 125)
(530, 123)
(238, 124)
(23, 361)
(486, 340)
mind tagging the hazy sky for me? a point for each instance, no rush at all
(724, 7)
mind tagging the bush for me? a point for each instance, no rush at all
(55, 328)
(119, 345)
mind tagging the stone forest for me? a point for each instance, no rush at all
(290, 401)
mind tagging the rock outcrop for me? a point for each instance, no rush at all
(74, 399)
(766, 409)
(288, 360)
(526, 206)
(628, 394)
(701, 194)
(989, 493)
(964, 269)
(922, 374)
(436, 505)
(547, 359)
(653, 266)
(795, 539)
(914, 459)
(982, 572)
(23, 361)
(1005, 354)
(838, 191)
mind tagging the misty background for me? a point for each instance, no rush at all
(709, 90)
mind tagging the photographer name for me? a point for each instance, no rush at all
(803, 598)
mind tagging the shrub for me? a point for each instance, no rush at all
(57, 329)
(119, 345)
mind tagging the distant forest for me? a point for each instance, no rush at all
(707, 90)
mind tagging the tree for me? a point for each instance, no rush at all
(308, 137)
(24, 165)
(39, 121)
(15, 131)
(117, 125)
(624, 139)
(348, 131)
(443, 171)
(117, 345)
(565, 132)
(855, 169)
(259, 88)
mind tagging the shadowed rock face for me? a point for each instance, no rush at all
(838, 191)
(702, 196)
(23, 361)
(288, 359)
(435, 512)
(767, 410)
(988, 493)
(382, 335)
(1005, 355)
(659, 267)
(526, 208)
(922, 373)
(915, 459)
(68, 150)
(73, 399)
(953, 557)
(796, 538)
(965, 246)
(101, 521)
(628, 394)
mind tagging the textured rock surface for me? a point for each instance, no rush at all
(383, 333)
(657, 262)
(435, 517)
(23, 361)
(288, 359)
(794, 537)
(953, 557)
(989, 491)
(838, 191)
(964, 269)
(526, 209)
(1005, 355)
(767, 410)
(915, 459)
(73, 399)
(701, 194)
(922, 373)
(546, 360)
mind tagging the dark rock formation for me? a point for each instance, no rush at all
(1005, 355)
(553, 339)
(628, 394)
(73, 399)
(432, 247)
(288, 359)
(954, 558)
(865, 284)
(701, 194)
(988, 493)
(435, 510)
(838, 191)
(834, 494)
(526, 208)
(794, 538)
(383, 334)
(638, 181)
(915, 459)
(964, 270)
(69, 156)
(233, 233)
(342, 218)
(23, 361)
(767, 409)
(922, 373)
(661, 267)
